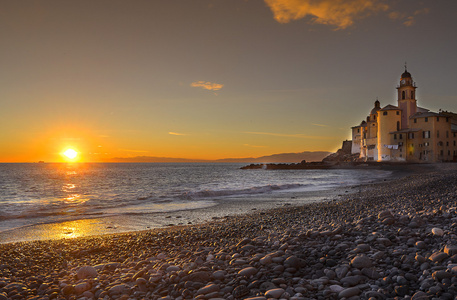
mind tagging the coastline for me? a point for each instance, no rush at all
(214, 209)
(375, 242)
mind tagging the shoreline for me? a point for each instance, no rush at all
(394, 239)
(217, 210)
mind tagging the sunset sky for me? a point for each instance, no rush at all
(209, 79)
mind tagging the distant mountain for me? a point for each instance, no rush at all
(275, 158)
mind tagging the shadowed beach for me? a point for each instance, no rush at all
(394, 239)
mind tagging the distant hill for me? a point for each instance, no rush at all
(275, 158)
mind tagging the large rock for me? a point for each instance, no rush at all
(438, 257)
(211, 288)
(86, 272)
(274, 293)
(349, 292)
(450, 250)
(361, 261)
(247, 272)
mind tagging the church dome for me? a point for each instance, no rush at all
(406, 74)
(375, 110)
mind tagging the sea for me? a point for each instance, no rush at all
(65, 200)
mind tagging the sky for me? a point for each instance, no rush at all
(211, 79)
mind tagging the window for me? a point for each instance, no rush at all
(426, 144)
(426, 134)
(441, 152)
(426, 119)
(411, 135)
(412, 94)
(395, 137)
(448, 152)
(415, 120)
(358, 130)
(398, 113)
(401, 136)
(403, 95)
(447, 119)
(440, 143)
(454, 143)
(398, 125)
(385, 113)
(447, 143)
(437, 133)
(437, 119)
(447, 134)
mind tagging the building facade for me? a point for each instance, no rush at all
(406, 132)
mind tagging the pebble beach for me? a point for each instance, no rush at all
(391, 240)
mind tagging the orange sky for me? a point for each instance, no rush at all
(211, 80)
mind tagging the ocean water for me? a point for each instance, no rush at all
(35, 194)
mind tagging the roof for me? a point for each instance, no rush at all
(426, 114)
(421, 109)
(389, 107)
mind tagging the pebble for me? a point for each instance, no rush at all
(86, 272)
(274, 293)
(361, 261)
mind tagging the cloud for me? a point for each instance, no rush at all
(299, 135)
(176, 133)
(339, 13)
(207, 85)
(135, 151)
(254, 146)
(408, 19)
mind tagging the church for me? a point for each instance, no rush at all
(406, 132)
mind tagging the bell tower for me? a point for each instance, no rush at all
(406, 98)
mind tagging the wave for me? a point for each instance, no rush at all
(237, 192)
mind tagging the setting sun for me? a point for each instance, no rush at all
(70, 153)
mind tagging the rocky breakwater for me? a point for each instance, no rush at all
(392, 241)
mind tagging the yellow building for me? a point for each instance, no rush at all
(406, 132)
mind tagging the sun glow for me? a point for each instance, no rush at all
(70, 153)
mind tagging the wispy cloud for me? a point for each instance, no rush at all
(254, 146)
(207, 85)
(132, 150)
(408, 19)
(176, 133)
(339, 13)
(298, 135)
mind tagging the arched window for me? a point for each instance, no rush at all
(398, 125)
(412, 94)
(403, 95)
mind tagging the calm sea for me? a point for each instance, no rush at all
(36, 194)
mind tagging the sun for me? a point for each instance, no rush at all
(70, 153)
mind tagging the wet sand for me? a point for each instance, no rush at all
(380, 241)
